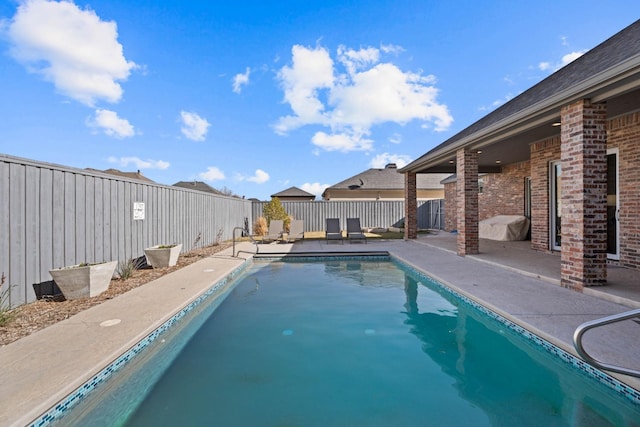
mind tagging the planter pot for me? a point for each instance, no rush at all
(84, 281)
(160, 257)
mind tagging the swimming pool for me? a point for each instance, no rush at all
(348, 342)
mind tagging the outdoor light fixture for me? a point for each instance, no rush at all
(556, 124)
(498, 162)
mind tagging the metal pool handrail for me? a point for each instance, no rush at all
(579, 332)
(249, 235)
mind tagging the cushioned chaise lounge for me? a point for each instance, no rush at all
(354, 230)
(333, 231)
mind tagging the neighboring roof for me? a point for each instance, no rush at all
(294, 192)
(387, 178)
(608, 70)
(131, 175)
(199, 186)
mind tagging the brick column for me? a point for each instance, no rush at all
(467, 198)
(410, 206)
(584, 195)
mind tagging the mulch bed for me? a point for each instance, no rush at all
(37, 315)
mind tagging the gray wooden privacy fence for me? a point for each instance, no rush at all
(52, 216)
(371, 213)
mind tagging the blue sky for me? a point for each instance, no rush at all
(259, 96)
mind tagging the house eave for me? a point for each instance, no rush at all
(617, 80)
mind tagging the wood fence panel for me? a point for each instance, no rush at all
(32, 231)
(17, 212)
(52, 216)
(5, 228)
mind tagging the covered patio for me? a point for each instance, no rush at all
(564, 154)
(623, 284)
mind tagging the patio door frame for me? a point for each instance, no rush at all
(555, 205)
(615, 221)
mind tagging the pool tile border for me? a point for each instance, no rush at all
(615, 385)
(59, 410)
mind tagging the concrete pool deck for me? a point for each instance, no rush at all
(41, 369)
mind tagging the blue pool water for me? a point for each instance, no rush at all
(347, 343)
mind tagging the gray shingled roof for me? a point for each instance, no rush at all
(198, 185)
(578, 78)
(387, 178)
(293, 192)
(131, 175)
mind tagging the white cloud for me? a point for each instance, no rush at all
(139, 163)
(70, 47)
(212, 174)
(312, 70)
(566, 59)
(570, 57)
(112, 125)
(194, 127)
(396, 138)
(314, 188)
(354, 60)
(240, 80)
(349, 103)
(381, 160)
(260, 177)
(390, 48)
(341, 142)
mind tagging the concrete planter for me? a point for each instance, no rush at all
(81, 281)
(160, 257)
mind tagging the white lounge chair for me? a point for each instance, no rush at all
(296, 230)
(276, 228)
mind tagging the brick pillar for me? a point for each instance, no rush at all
(467, 198)
(410, 206)
(584, 195)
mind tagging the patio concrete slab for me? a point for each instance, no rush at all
(79, 347)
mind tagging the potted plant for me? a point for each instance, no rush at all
(84, 280)
(161, 256)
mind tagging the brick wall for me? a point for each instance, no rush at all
(624, 133)
(584, 195)
(467, 198)
(410, 206)
(450, 207)
(542, 153)
(503, 193)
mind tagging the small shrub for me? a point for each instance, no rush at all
(5, 307)
(218, 237)
(126, 269)
(260, 227)
(275, 210)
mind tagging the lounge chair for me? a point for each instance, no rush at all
(354, 231)
(333, 231)
(276, 228)
(296, 230)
